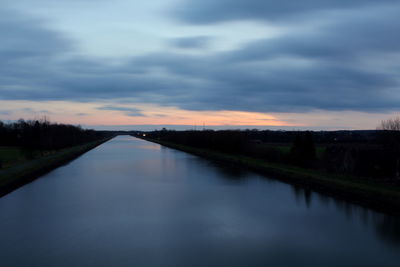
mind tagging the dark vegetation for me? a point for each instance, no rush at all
(371, 155)
(29, 139)
(43, 135)
(29, 149)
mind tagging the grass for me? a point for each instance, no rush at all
(365, 192)
(12, 155)
(285, 148)
(27, 170)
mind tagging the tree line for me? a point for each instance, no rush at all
(371, 154)
(44, 135)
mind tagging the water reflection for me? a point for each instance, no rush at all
(150, 146)
(227, 172)
(302, 195)
(387, 226)
(133, 203)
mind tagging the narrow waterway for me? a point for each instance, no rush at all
(129, 202)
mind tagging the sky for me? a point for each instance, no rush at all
(127, 64)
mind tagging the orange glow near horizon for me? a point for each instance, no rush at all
(94, 114)
(211, 118)
(90, 114)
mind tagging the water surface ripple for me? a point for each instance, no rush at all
(129, 202)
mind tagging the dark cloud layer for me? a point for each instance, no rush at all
(133, 112)
(350, 63)
(191, 42)
(211, 11)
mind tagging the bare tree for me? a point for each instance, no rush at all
(390, 124)
(393, 125)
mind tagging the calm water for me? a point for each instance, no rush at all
(133, 203)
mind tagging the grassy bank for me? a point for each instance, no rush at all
(9, 155)
(285, 148)
(26, 171)
(364, 192)
(13, 155)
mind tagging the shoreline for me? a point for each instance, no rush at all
(365, 193)
(16, 176)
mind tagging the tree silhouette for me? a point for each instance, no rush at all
(390, 124)
(303, 149)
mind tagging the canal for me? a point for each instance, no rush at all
(129, 202)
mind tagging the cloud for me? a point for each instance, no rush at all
(35, 111)
(5, 112)
(196, 42)
(210, 11)
(351, 36)
(350, 63)
(23, 36)
(133, 112)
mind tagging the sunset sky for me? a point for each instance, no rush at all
(127, 64)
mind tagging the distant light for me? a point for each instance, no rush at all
(144, 135)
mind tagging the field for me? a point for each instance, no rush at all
(11, 155)
(285, 148)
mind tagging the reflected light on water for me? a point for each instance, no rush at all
(150, 147)
(129, 202)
